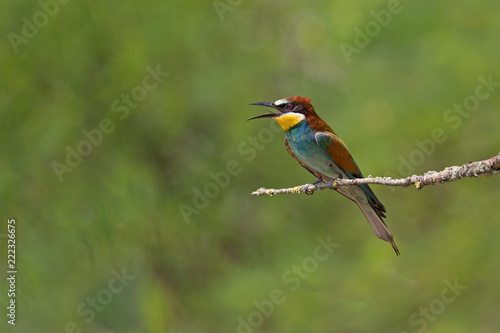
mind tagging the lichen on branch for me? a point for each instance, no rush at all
(450, 174)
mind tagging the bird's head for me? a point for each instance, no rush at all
(290, 111)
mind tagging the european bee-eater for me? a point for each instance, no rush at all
(317, 148)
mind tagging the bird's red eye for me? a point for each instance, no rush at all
(289, 106)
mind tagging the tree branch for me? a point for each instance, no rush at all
(472, 169)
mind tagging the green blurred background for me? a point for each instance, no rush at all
(119, 211)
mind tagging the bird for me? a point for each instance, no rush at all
(316, 147)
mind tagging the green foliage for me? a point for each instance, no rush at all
(121, 206)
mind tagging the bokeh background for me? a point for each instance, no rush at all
(119, 211)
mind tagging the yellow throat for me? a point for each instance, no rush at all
(289, 120)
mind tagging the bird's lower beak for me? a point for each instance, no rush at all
(267, 115)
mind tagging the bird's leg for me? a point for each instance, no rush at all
(305, 187)
(317, 181)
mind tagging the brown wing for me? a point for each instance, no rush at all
(338, 152)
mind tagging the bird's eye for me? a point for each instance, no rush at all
(289, 106)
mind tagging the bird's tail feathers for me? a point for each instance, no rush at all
(377, 224)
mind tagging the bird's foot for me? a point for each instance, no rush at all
(305, 189)
(332, 183)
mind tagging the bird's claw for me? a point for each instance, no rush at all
(305, 189)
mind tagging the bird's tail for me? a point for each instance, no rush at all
(377, 223)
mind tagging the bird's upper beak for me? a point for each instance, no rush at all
(266, 115)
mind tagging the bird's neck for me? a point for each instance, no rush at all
(318, 124)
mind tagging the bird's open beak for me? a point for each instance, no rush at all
(267, 115)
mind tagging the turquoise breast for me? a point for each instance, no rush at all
(303, 143)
